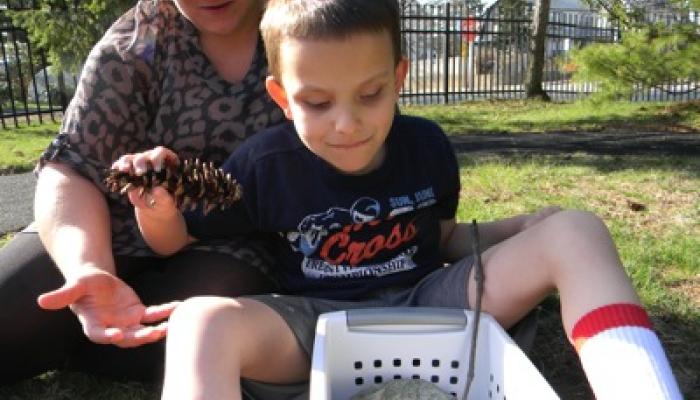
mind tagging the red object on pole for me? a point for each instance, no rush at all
(469, 29)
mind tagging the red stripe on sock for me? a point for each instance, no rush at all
(607, 317)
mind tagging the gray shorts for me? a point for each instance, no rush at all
(444, 287)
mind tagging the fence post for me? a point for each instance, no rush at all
(45, 67)
(37, 98)
(20, 73)
(446, 80)
(62, 91)
(10, 89)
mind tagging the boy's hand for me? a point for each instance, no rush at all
(534, 218)
(156, 203)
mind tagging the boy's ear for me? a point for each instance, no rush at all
(279, 95)
(400, 74)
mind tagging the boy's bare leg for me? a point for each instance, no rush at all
(212, 342)
(570, 251)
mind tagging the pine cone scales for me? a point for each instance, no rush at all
(191, 183)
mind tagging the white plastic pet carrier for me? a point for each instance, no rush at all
(357, 349)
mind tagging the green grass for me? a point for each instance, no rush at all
(535, 116)
(22, 146)
(5, 238)
(658, 245)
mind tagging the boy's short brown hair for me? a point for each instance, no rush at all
(326, 19)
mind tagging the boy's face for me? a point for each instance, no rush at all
(341, 95)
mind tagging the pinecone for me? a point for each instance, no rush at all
(190, 183)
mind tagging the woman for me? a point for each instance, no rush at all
(187, 75)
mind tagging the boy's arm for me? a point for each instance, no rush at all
(456, 238)
(160, 222)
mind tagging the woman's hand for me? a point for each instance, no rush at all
(139, 163)
(109, 310)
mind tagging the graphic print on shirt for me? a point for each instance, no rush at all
(358, 242)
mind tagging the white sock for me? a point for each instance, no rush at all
(622, 356)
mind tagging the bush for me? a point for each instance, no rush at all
(68, 33)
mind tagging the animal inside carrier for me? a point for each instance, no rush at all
(357, 350)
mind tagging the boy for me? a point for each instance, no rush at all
(359, 208)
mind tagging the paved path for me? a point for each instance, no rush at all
(16, 201)
(17, 191)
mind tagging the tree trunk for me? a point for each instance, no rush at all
(535, 64)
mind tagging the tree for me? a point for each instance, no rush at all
(509, 35)
(651, 54)
(535, 62)
(68, 30)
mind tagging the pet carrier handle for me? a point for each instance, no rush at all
(406, 316)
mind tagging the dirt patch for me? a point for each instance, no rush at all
(610, 142)
(689, 288)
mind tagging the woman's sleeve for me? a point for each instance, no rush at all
(112, 109)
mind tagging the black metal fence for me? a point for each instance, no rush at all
(461, 53)
(30, 90)
(457, 53)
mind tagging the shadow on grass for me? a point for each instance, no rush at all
(78, 386)
(555, 357)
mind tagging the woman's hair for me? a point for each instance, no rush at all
(326, 19)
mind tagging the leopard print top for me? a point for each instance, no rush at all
(147, 83)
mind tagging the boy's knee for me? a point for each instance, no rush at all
(202, 311)
(576, 222)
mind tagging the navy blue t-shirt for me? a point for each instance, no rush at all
(342, 236)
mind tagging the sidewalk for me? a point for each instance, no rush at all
(16, 201)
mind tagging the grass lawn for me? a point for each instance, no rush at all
(658, 245)
(534, 116)
(22, 146)
(650, 203)
(5, 238)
